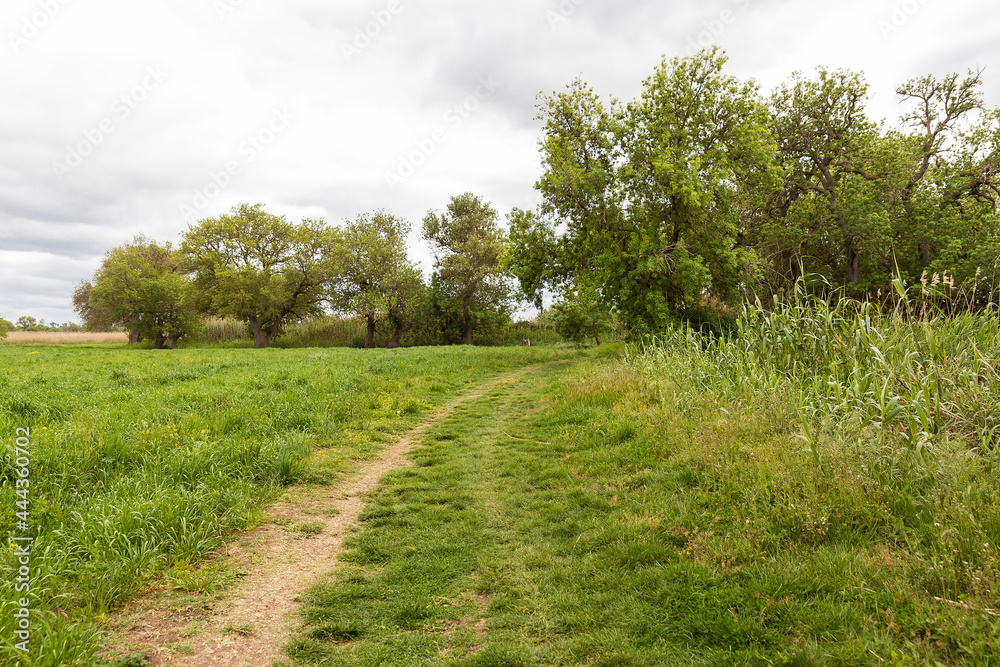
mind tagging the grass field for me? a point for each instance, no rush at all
(670, 511)
(818, 489)
(140, 462)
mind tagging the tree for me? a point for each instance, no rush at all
(580, 314)
(469, 248)
(258, 267)
(858, 204)
(655, 195)
(404, 303)
(946, 215)
(825, 210)
(94, 317)
(140, 285)
(5, 327)
(24, 323)
(534, 256)
(375, 279)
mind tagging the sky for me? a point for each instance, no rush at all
(123, 117)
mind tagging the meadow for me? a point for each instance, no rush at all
(816, 487)
(140, 462)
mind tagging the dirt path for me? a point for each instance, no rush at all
(252, 623)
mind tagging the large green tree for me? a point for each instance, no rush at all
(258, 267)
(140, 285)
(859, 203)
(375, 279)
(469, 248)
(655, 195)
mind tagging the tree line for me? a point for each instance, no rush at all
(260, 268)
(700, 193)
(703, 191)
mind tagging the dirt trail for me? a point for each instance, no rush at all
(254, 620)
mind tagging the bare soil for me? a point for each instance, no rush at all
(251, 621)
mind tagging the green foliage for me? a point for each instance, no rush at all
(860, 205)
(533, 257)
(580, 316)
(260, 268)
(375, 279)
(905, 376)
(5, 326)
(140, 285)
(654, 194)
(470, 289)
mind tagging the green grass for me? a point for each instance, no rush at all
(581, 519)
(141, 462)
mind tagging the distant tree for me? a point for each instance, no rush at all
(140, 285)
(24, 323)
(258, 267)
(374, 277)
(469, 248)
(581, 315)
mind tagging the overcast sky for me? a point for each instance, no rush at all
(122, 117)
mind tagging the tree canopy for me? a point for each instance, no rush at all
(374, 277)
(700, 191)
(260, 268)
(655, 194)
(141, 286)
(469, 247)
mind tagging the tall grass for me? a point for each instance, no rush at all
(62, 337)
(327, 331)
(898, 405)
(905, 373)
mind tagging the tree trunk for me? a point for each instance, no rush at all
(467, 338)
(370, 334)
(172, 342)
(396, 335)
(598, 339)
(158, 343)
(262, 338)
(853, 261)
(133, 336)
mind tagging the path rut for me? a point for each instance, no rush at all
(253, 622)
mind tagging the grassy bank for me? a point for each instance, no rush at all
(141, 461)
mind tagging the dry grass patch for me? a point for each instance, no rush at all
(62, 338)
